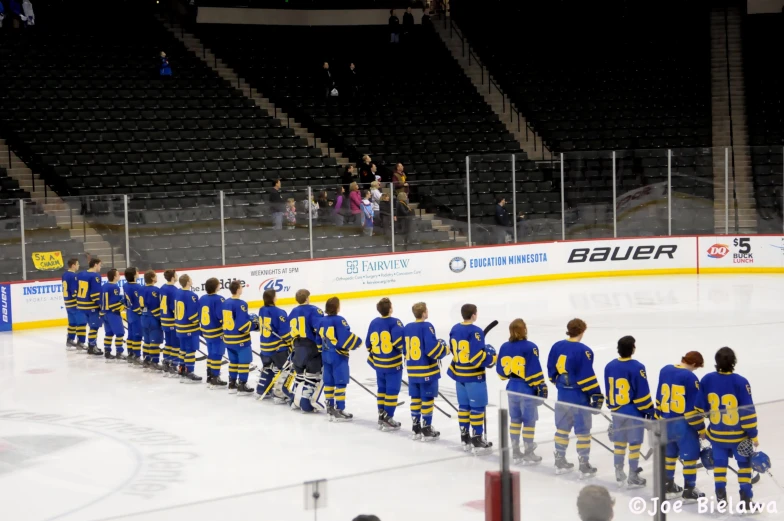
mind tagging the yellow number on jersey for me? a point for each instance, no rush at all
(513, 365)
(228, 320)
(179, 310)
(413, 348)
(266, 330)
(461, 351)
(560, 365)
(381, 344)
(65, 289)
(298, 329)
(106, 301)
(618, 393)
(330, 335)
(673, 399)
(205, 316)
(82, 291)
(730, 414)
(141, 302)
(163, 305)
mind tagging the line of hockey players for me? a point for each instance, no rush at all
(305, 353)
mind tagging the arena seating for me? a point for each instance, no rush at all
(765, 111)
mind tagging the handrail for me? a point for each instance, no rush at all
(459, 35)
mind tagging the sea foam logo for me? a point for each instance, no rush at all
(457, 264)
(355, 267)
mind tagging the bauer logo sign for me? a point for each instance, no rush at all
(6, 311)
(642, 252)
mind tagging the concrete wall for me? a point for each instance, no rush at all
(764, 6)
(220, 15)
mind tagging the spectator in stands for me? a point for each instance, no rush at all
(375, 195)
(29, 15)
(502, 223)
(166, 71)
(349, 176)
(367, 215)
(328, 81)
(404, 216)
(524, 230)
(353, 81)
(277, 206)
(594, 503)
(408, 25)
(367, 174)
(291, 213)
(394, 27)
(385, 217)
(2, 14)
(425, 16)
(354, 202)
(399, 179)
(312, 206)
(338, 209)
(364, 168)
(324, 204)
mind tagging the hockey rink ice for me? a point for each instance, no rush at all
(81, 439)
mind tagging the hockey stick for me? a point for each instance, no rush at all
(645, 456)
(288, 364)
(371, 392)
(201, 341)
(489, 327)
(594, 439)
(434, 405)
(754, 479)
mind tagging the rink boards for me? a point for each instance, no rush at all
(31, 304)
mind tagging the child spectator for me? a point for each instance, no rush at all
(367, 215)
(311, 206)
(291, 213)
(355, 202)
(337, 211)
(375, 195)
(166, 71)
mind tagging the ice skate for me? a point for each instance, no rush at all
(93, 350)
(190, 378)
(416, 431)
(81, 347)
(672, 490)
(517, 455)
(465, 439)
(280, 400)
(561, 465)
(480, 445)
(110, 358)
(121, 357)
(692, 494)
(387, 423)
(620, 475)
(721, 495)
(635, 480)
(70, 345)
(429, 433)
(146, 365)
(136, 361)
(216, 382)
(529, 457)
(586, 469)
(232, 386)
(339, 415)
(749, 505)
(244, 390)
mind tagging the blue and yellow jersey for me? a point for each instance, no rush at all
(469, 357)
(236, 322)
(678, 396)
(88, 293)
(304, 323)
(133, 305)
(70, 289)
(423, 351)
(186, 311)
(111, 299)
(518, 361)
(570, 366)
(336, 336)
(150, 301)
(275, 330)
(211, 316)
(168, 294)
(726, 397)
(627, 389)
(384, 343)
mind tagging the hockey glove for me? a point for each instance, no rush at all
(541, 391)
(254, 322)
(597, 401)
(491, 356)
(649, 414)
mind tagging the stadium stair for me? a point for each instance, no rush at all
(66, 213)
(487, 86)
(721, 95)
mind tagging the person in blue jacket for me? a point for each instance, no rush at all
(166, 71)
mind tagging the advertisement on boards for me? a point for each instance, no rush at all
(751, 253)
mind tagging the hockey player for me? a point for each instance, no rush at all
(237, 325)
(470, 357)
(171, 348)
(88, 296)
(628, 394)
(518, 361)
(211, 322)
(152, 331)
(77, 323)
(111, 307)
(186, 309)
(678, 397)
(274, 347)
(133, 314)
(304, 320)
(423, 362)
(384, 343)
(732, 420)
(337, 342)
(570, 368)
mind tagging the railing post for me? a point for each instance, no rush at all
(669, 191)
(392, 213)
(223, 230)
(726, 191)
(310, 220)
(514, 199)
(468, 198)
(614, 199)
(22, 229)
(127, 234)
(563, 202)
(32, 178)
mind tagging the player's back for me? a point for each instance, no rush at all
(423, 351)
(626, 387)
(168, 294)
(570, 368)
(518, 362)
(304, 321)
(236, 322)
(132, 292)
(336, 336)
(211, 316)
(111, 299)
(678, 387)
(70, 289)
(727, 396)
(274, 328)
(468, 355)
(88, 291)
(186, 310)
(150, 301)
(385, 343)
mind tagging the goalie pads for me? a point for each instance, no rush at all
(308, 390)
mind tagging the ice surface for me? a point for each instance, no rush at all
(81, 439)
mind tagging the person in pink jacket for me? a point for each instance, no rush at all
(355, 203)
